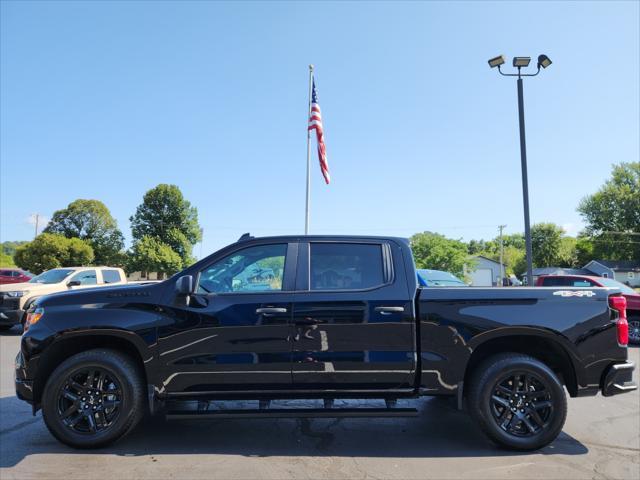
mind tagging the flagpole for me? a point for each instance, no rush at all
(306, 215)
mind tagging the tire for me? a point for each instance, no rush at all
(539, 400)
(4, 328)
(106, 382)
(634, 330)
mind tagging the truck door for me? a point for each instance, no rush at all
(235, 333)
(353, 317)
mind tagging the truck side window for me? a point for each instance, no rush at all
(253, 269)
(111, 276)
(87, 277)
(345, 266)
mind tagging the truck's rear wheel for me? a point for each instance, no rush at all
(518, 401)
(93, 399)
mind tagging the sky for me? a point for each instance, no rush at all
(105, 100)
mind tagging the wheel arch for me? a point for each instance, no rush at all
(68, 345)
(548, 350)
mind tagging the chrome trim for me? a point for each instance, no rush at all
(624, 366)
(188, 344)
(625, 388)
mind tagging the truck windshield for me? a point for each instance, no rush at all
(52, 276)
(609, 282)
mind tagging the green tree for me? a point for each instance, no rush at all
(567, 253)
(90, 220)
(515, 260)
(435, 251)
(612, 215)
(6, 260)
(513, 252)
(546, 242)
(9, 248)
(49, 251)
(165, 215)
(150, 254)
(584, 250)
(477, 247)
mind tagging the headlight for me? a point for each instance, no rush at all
(33, 317)
(16, 294)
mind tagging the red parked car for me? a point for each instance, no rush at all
(633, 297)
(14, 275)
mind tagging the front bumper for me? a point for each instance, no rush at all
(24, 385)
(10, 317)
(618, 379)
(10, 311)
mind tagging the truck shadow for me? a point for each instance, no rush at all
(439, 431)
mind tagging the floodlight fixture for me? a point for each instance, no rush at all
(543, 61)
(497, 61)
(521, 61)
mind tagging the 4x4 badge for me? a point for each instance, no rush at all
(575, 293)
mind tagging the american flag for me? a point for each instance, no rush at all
(315, 123)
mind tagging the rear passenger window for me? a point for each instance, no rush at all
(111, 276)
(345, 266)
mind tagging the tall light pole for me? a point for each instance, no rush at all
(519, 63)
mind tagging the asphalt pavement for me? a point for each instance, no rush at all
(601, 440)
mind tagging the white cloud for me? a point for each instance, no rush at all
(571, 229)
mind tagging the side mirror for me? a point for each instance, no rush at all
(74, 283)
(184, 285)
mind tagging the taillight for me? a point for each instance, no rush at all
(619, 304)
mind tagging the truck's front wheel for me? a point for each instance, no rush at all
(93, 398)
(518, 401)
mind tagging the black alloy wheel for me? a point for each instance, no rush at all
(94, 398)
(89, 401)
(517, 400)
(521, 404)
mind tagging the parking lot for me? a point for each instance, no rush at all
(601, 439)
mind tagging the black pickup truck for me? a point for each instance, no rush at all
(319, 318)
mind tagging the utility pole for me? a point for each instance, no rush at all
(201, 240)
(37, 217)
(501, 227)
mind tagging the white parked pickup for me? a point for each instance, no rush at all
(15, 298)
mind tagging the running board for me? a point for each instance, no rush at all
(293, 413)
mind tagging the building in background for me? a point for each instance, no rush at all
(624, 271)
(484, 273)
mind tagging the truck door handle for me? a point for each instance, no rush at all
(271, 310)
(389, 310)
